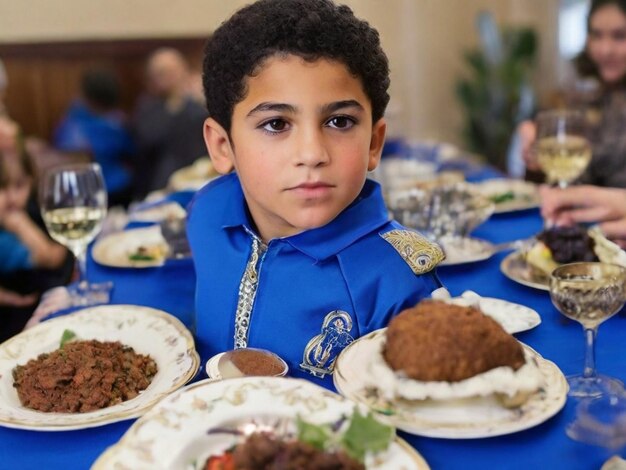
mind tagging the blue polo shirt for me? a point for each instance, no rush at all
(306, 296)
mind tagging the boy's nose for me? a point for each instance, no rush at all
(311, 150)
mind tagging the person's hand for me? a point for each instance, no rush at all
(16, 220)
(9, 298)
(527, 131)
(584, 203)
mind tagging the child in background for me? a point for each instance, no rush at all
(294, 251)
(30, 261)
(95, 124)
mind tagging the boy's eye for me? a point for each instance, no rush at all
(340, 122)
(275, 125)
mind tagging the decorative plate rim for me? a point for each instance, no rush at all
(107, 415)
(475, 259)
(430, 429)
(105, 459)
(517, 256)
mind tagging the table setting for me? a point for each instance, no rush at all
(196, 410)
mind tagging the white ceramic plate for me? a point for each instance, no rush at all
(192, 177)
(114, 250)
(452, 419)
(211, 367)
(513, 317)
(146, 330)
(515, 267)
(173, 435)
(465, 250)
(525, 194)
(157, 212)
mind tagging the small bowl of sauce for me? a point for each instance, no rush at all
(246, 362)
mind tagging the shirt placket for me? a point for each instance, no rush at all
(247, 292)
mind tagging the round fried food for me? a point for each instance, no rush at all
(436, 341)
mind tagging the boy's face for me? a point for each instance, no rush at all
(301, 142)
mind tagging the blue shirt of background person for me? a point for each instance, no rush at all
(294, 251)
(95, 125)
(14, 255)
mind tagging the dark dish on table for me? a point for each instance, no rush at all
(560, 245)
(339, 446)
(251, 362)
(83, 376)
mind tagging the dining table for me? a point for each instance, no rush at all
(545, 446)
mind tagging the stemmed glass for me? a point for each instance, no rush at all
(74, 205)
(589, 293)
(563, 150)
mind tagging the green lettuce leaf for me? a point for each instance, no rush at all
(316, 435)
(67, 336)
(365, 434)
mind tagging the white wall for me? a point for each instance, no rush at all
(423, 38)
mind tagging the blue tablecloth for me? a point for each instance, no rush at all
(544, 446)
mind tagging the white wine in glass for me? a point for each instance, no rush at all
(563, 150)
(589, 293)
(74, 205)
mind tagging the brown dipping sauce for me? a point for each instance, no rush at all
(251, 362)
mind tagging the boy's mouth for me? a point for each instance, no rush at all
(312, 189)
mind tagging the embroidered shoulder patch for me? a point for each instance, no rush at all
(420, 254)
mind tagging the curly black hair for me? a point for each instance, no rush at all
(311, 29)
(101, 88)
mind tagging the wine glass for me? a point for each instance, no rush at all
(74, 205)
(563, 150)
(601, 421)
(589, 293)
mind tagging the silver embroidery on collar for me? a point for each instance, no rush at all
(247, 293)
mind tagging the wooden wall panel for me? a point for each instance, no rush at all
(45, 77)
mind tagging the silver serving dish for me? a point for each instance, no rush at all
(452, 210)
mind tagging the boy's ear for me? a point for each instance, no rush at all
(376, 144)
(219, 147)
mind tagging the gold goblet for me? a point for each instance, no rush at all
(589, 293)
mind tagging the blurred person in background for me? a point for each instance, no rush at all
(168, 122)
(604, 60)
(4, 83)
(95, 124)
(30, 262)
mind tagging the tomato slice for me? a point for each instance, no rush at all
(220, 462)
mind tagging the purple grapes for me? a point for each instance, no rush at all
(569, 244)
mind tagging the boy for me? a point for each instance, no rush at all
(293, 250)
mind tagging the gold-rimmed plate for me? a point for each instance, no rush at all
(116, 250)
(146, 330)
(468, 418)
(175, 433)
(461, 250)
(510, 195)
(515, 267)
